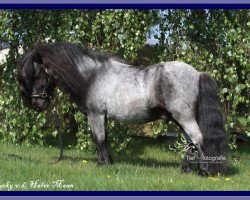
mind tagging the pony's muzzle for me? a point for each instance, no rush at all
(40, 104)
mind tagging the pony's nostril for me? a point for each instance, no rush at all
(35, 105)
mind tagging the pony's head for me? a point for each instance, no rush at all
(51, 65)
(35, 82)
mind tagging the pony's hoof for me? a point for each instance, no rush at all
(103, 163)
(186, 170)
(204, 172)
(60, 159)
(57, 160)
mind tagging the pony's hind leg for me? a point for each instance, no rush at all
(185, 117)
(98, 126)
(192, 129)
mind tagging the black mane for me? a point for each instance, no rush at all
(62, 61)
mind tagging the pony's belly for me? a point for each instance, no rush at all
(132, 116)
(139, 114)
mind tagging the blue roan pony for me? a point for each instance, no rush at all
(107, 87)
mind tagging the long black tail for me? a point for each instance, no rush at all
(211, 123)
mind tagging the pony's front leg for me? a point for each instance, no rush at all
(98, 126)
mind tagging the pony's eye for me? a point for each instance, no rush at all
(37, 77)
(23, 91)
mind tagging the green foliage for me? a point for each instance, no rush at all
(160, 129)
(215, 41)
(180, 145)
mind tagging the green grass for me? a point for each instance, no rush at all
(150, 166)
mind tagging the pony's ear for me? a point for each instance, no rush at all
(38, 58)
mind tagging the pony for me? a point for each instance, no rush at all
(107, 87)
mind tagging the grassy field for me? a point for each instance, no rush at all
(151, 166)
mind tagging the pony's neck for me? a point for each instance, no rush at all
(81, 78)
(88, 66)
